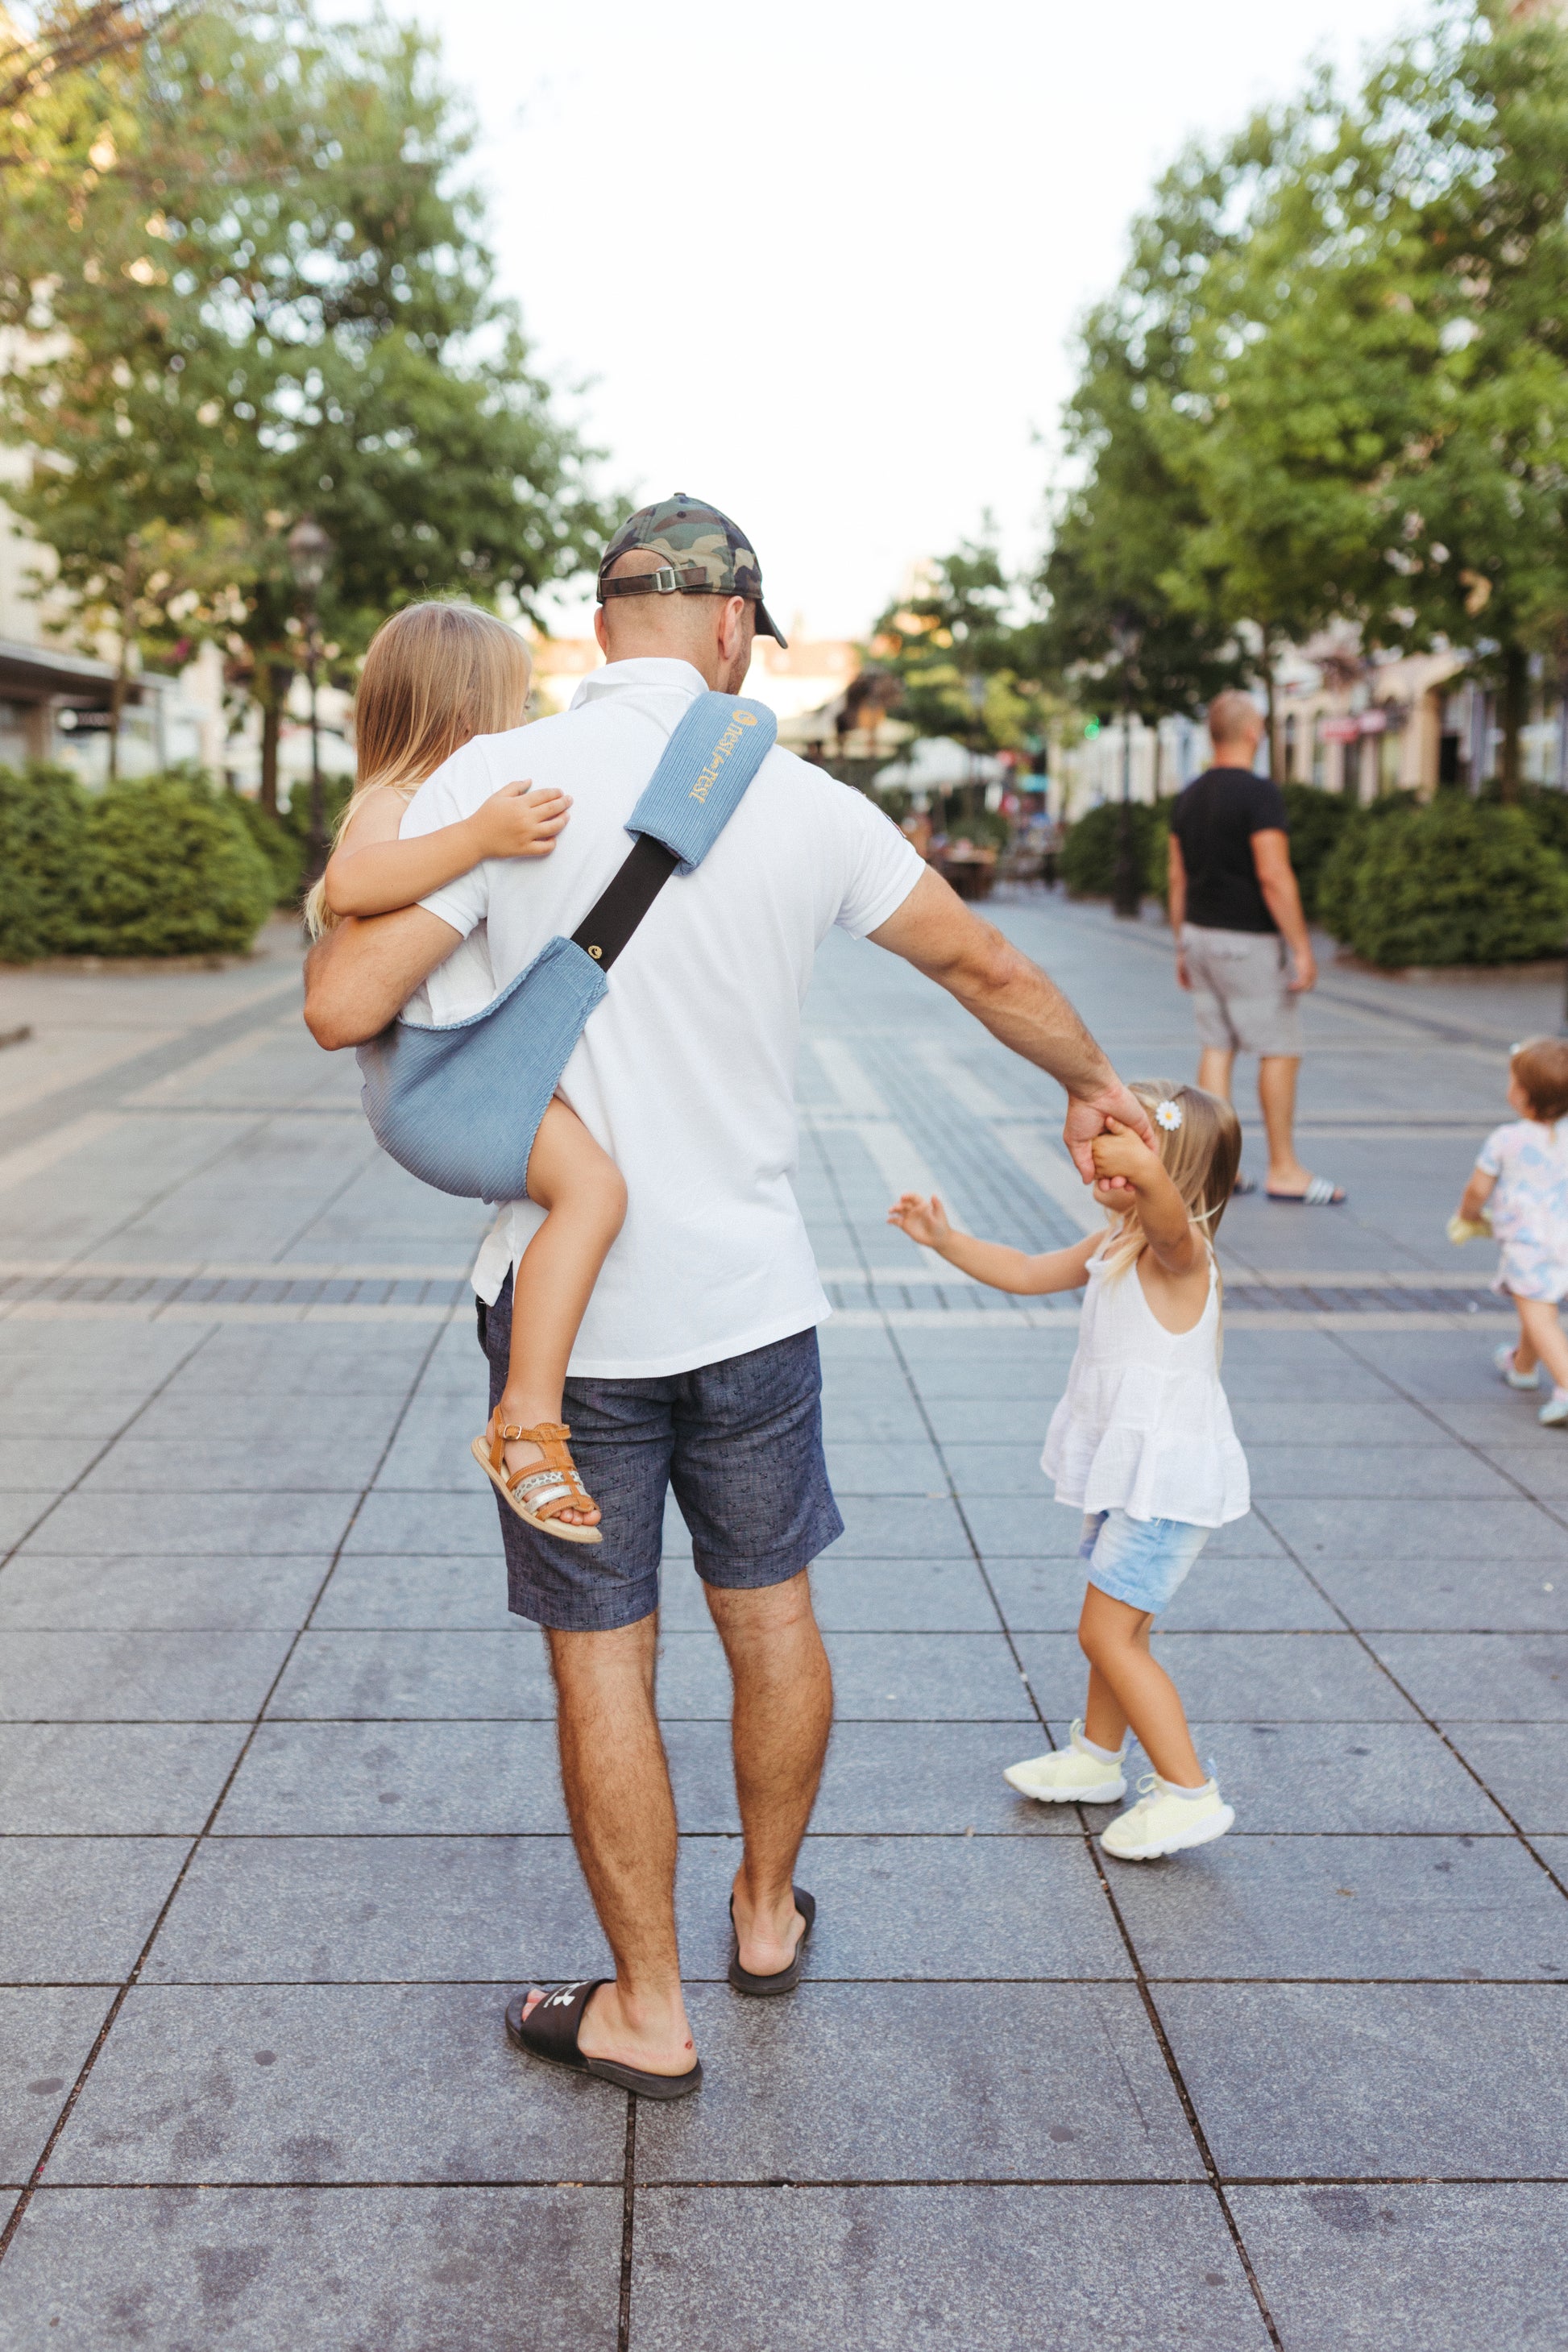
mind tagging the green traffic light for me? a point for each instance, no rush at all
(1091, 729)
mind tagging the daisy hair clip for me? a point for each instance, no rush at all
(1168, 1114)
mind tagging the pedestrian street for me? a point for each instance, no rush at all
(282, 1831)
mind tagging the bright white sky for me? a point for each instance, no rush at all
(822, 263)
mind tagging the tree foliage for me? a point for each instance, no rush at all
(256, 286)
(964, 666)
(1333, 382)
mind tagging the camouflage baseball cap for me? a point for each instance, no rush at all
(705, 556)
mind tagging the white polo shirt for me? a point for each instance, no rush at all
(686, 1073)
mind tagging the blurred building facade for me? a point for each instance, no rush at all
(56, 692)
(1362, 724)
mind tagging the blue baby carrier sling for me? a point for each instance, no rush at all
(459, 1104)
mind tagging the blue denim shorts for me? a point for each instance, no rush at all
(741, 1444)
(1141, 1561)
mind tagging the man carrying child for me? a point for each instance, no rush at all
(696, 1365)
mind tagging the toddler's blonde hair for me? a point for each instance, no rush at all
(1200, 1157)
(435, 675)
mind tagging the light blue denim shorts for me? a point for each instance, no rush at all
(1141, 1561)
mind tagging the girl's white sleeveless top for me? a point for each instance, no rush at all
(1144, 1426)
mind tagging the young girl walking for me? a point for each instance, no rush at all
(1142, 1444)
(435, 677)
(1522, 1176)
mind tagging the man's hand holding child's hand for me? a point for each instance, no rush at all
(1120, 1161)
(924, 1221)
(518, 822)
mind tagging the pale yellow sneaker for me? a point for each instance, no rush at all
(1068, 1776)
(1164, 1822)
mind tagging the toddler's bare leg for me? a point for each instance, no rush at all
(1543, 1337)
(1127, 1686)
(585, 1200)
(1525, 1358)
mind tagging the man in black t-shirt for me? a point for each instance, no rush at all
(1235, 909)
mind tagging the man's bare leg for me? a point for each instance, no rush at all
(1276, 1101)
(622, 1812)
(1216, 1066)
(783, 1713)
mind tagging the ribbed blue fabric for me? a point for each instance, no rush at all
(701, 779)
(459, 1104)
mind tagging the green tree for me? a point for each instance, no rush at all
(1333, 382)
(259, 289)
(1246, 392)
(1114, 634)
(963, 664)
(1462, 136)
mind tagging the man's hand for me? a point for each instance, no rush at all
(1303, 972)
(1084, 1120)
(1184, 977)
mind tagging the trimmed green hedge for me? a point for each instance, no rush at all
(1090, 850)
(283, 850)
(43, 862)
(1547, 810)
(1316, 820)
(159, 865)
(1455, 881)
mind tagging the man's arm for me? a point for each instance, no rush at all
(363, 973)
(1277, 880)
(1177, 902)
(935, 931)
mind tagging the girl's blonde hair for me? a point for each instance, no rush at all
(434, 676)
(1200, 1156)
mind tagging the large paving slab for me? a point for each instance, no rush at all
(1131, 2270)
(1439, 2267)
(270, 1744)
(318, 2269)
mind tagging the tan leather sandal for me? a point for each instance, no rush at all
(539, 1494)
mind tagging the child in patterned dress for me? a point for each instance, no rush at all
(1521, 1175)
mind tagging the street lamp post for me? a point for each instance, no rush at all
(1129, 892)
(310, 550)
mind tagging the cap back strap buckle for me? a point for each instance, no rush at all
(666, 582)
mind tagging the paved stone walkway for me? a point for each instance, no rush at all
(282, 1826)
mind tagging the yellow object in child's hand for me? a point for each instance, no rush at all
(1469, 1228)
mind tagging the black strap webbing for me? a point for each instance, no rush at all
(615, 914)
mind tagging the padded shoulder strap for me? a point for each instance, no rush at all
(698, 783)
(691, 795)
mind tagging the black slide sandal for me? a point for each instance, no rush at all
(787, 1978)
(550, 2031)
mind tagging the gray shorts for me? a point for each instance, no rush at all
(740, 1443)
(1239, 996)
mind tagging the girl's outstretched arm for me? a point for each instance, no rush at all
(999, 1267)
(372, 872)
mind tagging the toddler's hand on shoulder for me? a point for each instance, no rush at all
(518, 822)
(925, 1222)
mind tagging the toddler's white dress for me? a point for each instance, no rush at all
(1529, 1207)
